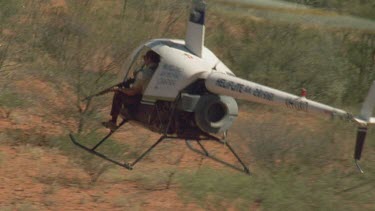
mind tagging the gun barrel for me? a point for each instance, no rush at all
(238, 88)
(105, 91)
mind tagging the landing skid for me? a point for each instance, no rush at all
(188, 139)
(93, 149)
(205, 153)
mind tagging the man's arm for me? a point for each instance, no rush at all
(137, 87)
(140, 82)
(129, 91)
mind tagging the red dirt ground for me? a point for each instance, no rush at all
(38, 178)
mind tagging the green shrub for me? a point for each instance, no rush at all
(10, 99)
(94, 165)
(284, 189)
(295, 167)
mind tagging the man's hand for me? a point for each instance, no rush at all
(128, 91)
(118, 89)
(115, 89)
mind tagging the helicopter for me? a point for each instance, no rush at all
(192, 96)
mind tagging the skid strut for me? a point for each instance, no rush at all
(205, 153)
(92, 150)
(203, 150)
(130, 166)
(125, 165)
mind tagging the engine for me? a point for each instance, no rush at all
(211, 113)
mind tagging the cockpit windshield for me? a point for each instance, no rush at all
(134, 63)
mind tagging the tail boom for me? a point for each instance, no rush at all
(246, 90)
(238, 88)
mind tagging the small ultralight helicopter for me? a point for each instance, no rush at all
(191, 96)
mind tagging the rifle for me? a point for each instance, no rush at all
(125, 84)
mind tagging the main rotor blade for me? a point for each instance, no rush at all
(279, 11)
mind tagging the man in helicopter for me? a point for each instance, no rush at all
(129, 93)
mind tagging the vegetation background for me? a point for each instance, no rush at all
(53, 53)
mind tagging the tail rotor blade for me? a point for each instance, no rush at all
(361, 136)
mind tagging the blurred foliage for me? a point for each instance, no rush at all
(294, 167)
(363, 8)
(10, 99)
(335, 68)
(93, 165)
(289, 58)
(78, 48)
(281, 190)
(8, 9)
(65, 43)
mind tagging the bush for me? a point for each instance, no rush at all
(295, 166)
(10, 99)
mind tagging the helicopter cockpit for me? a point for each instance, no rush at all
(135, 63)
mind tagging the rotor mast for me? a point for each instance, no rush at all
(196, 29)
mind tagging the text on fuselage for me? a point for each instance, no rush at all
(241, 88)
(297, 104)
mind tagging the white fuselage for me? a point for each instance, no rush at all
(179, 68)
